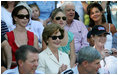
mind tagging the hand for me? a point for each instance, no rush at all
(14, 63)
(114, 52)
(46, 22)
(75, 65)
(3, 69)
(62, 68)
(107, 52)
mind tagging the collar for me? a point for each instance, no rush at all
(16, 70)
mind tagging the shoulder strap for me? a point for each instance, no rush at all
(30, 36)
(10, 37)
(109, 27)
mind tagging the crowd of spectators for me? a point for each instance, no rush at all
(59, 37)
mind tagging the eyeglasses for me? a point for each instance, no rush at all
(20, 16)
(63, 18)
(55, 37)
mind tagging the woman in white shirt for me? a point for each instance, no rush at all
(96, 15)
(51, 60)
(109, 61)
(7, 8)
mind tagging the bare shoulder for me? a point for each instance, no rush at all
(6, 36)
(35, 37)
(113, 29)
(112, 26)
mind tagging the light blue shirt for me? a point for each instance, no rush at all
(16, 71)
(46, 7)
(114, 41)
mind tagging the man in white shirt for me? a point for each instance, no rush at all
(27, 61)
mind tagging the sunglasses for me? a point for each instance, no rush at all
(22, 16)
(55, 37)
(63, 18)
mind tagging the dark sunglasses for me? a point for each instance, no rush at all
(22, 16)
(63, 18)
(55, 37)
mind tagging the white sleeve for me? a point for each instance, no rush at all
(41, 64)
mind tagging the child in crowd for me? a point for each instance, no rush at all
(35, 12)
(89, 39)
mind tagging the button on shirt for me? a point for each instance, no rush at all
(80, 34)
(16, 71)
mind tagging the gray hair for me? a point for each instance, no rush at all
(66, 3)
(89, 54)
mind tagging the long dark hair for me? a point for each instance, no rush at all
(108, 13)
(4, 3)
(96, 5)
(16, 10)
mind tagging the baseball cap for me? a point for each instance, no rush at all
(98, 29)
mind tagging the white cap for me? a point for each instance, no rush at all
(25, 5)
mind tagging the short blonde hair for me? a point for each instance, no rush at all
(50, 29)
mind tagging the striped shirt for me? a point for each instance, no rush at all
(80, 34)
(4, 28)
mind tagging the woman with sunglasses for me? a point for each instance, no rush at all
(20, 36)
(67, 44)
(109, 60)
(52, 60)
